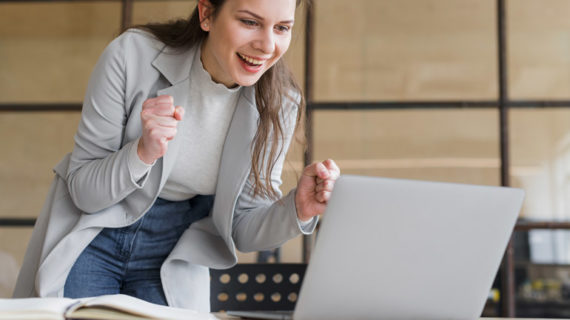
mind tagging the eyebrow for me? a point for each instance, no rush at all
(261, 18)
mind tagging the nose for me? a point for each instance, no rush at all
(266, 41)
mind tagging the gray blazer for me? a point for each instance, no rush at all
(93, 187)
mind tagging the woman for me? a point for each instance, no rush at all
(177, 161)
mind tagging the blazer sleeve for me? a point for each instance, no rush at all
(98, 175)
(262, 224)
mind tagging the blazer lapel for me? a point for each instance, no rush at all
(236, 162)
(175, 67)
(180, 94)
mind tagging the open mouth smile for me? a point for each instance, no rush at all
(250, 61)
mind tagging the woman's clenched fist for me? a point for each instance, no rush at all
(159, 119)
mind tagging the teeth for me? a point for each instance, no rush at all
(250, 60)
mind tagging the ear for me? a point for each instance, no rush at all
(204, 11)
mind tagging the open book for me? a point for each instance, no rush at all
(108, 307)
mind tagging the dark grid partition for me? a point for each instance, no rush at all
(256, 286)
(502, 104)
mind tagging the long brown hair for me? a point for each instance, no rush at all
(271, 90)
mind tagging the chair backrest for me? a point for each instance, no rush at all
(258, 286)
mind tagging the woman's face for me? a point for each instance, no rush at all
(245, 38)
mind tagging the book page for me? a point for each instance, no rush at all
(102, 313)
(138, 308)
(35, 308)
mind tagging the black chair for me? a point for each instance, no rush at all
(257, 286)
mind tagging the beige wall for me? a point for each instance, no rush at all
(539, 45)
(405, 50)
(365, 50)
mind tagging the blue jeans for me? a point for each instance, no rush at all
(127, 260)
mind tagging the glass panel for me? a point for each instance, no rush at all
(32, 145)
(442, 145)
(538, 41)
(542, 273)
(405, 50)
(47, 50)
(13, 243)
(540, 161)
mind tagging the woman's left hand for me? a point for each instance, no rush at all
(314, 188)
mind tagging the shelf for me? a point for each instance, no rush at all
(541, 265)
(546, 309)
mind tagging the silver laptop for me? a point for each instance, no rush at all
(405, 249)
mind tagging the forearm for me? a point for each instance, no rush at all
(96, 184)
(269, 226)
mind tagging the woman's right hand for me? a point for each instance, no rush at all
(159, 120)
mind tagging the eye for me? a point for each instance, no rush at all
(250, 23)
(283, 28)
